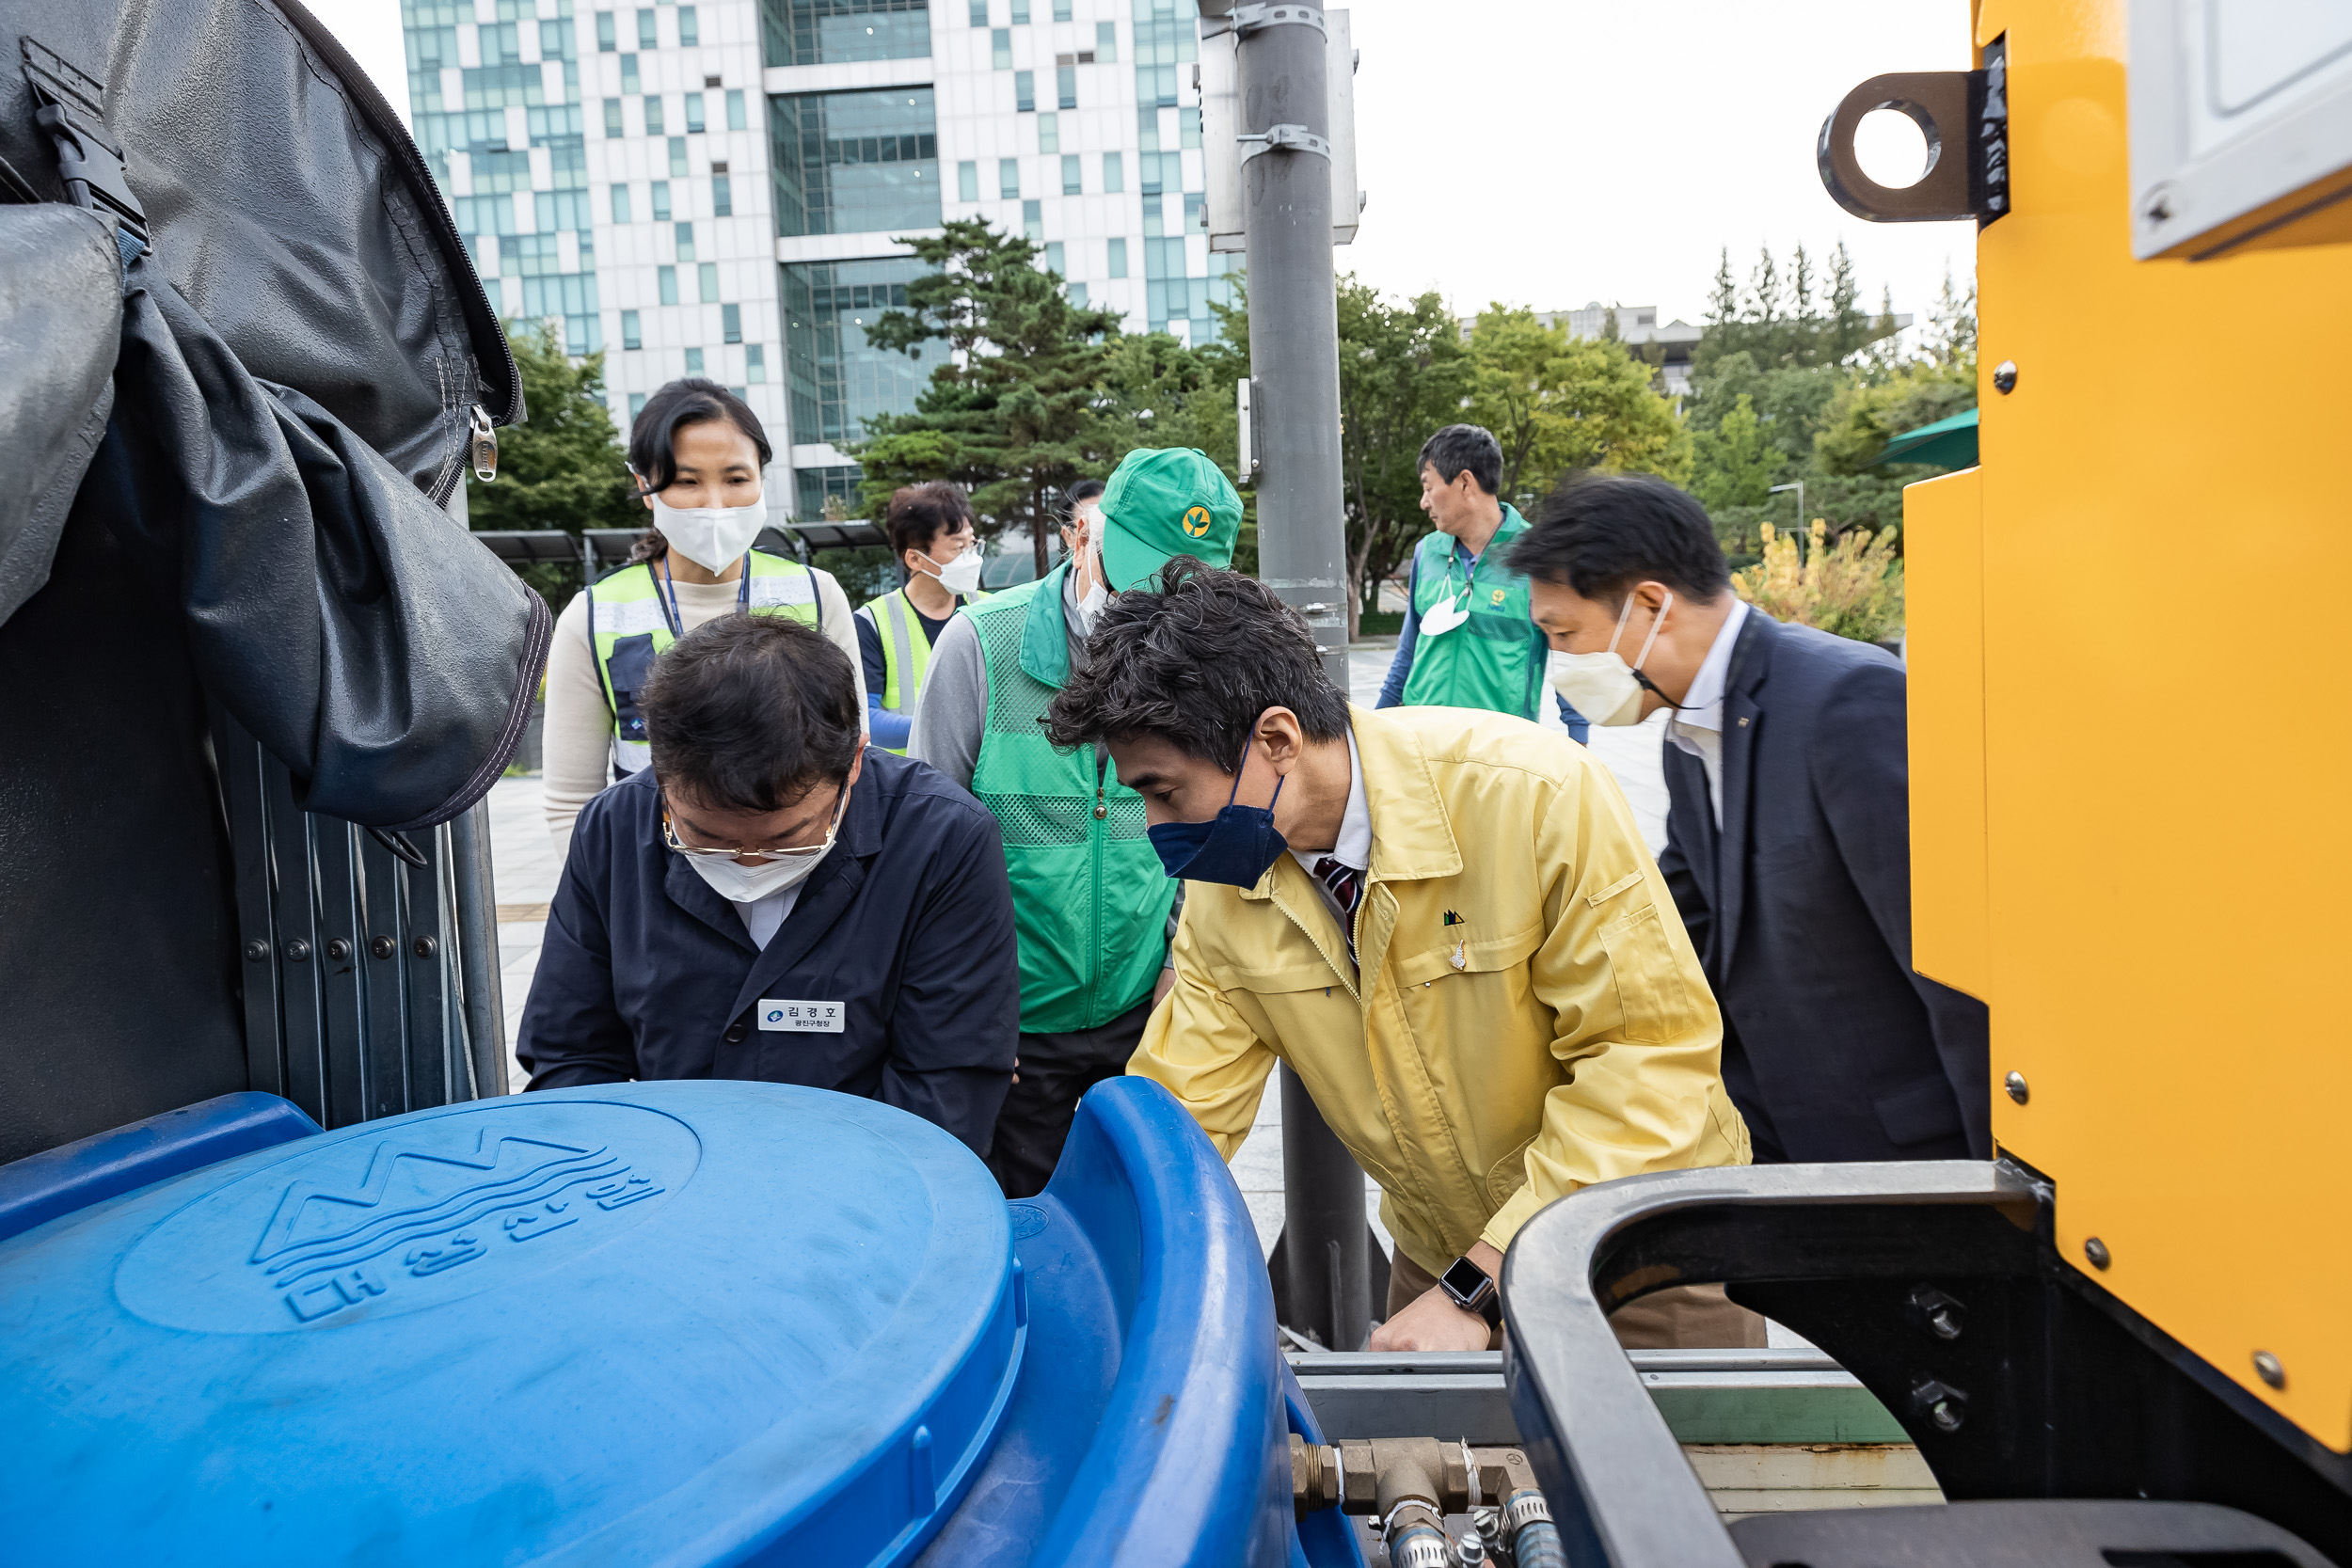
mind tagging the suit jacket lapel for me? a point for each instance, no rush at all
(1744, 717)
(688, 892)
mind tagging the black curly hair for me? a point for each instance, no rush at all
(1195, 662)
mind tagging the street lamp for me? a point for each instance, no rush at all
(1798, 485)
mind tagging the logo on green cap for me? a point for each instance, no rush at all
(1198, 522)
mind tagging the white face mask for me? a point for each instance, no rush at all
(713, 537)
(959, 575)
(1091, 603)
(1601, 686)
(733, 880)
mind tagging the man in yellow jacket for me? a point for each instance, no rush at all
(1445, 920)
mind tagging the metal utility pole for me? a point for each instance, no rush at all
(1283, 138)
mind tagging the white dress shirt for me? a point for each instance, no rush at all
(1697, 726)
(763, 917)
(1353, 848)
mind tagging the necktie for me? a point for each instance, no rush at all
(1347, 890)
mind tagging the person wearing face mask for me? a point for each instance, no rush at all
(1787, 827)
(697, 451)
(766, 900)
(1085, 500)
(1092, 908)
(930, 528)
(1444, 920)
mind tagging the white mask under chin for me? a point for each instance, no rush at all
(738, 883)
(713, 537)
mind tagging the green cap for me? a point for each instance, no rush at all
(1161, 502)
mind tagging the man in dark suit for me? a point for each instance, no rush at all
(1788, 829)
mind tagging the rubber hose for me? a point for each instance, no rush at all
(1537, 1546)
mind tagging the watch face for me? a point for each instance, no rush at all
(1466, 1280)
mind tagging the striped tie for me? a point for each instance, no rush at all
(1347, 890)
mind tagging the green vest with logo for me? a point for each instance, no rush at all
(627, 630)
(1497, 658)
(1089, 896)
(906, 652)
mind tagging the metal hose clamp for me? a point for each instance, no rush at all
(1524, 1508)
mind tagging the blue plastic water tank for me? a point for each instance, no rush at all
(662, 1323)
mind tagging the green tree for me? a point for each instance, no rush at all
(1008, 415)
(1557, 403)
(1736, 463)
(1780, 319)
(1864, 416)
(564, 468)
(1403, 373)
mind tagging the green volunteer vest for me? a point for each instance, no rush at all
(1089, 896)
(906, 653)
(627, 630)
(1494, 660)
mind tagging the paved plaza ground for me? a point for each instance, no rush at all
(526, 870)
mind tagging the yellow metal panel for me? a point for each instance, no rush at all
(2166, 544)
(1944, 645)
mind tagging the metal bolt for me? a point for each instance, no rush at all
(2096, 1250)
(1938, 1313)
(2266, 1367)
(256, 950)
(2015, 1084)
(382, 948)
(298, 951)
(422, 947)
(1944, 1407)
(2005, 376)
(2156, 206)
(338, 949)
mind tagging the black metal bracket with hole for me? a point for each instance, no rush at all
(1963, 115)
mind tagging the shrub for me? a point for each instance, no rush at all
(1853, 588)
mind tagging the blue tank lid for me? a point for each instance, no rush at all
(679, 1322)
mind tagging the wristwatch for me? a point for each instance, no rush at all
(1468, 1287)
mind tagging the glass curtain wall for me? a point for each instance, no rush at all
(849, 163)
(822, 32)
(837, 381)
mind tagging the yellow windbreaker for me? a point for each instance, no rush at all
(1531, 1017)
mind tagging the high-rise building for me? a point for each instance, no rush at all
(721, 188)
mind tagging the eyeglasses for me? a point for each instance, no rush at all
(745, 852)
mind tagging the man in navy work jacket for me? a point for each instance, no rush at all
(770, 899)
(1787, 829)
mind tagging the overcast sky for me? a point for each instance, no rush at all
(1545, 152)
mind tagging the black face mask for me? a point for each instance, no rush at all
(1236, 847)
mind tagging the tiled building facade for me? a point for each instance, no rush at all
(717, 188)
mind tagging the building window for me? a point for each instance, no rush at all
(1188, 127)
(821, 32)
(620, 204)
(667, 278)
(850, 162)
(1049, 132)
(612, 118)
(689, 29)
(636, 406)
(1066, 88)
(735, 110)
(1020, 13)
(1072, 185)
(721, 195)
(967, 180)
(707, 275)
(834, 380)
(1106, 42)
(1000, 49)
(1164, 47)
(660, 190)
(730, 319)
(628, 74)
(693, 361)
(685, 241)
(755, 363)
(1077, 293)
(979, 13)
(1008, 177)
(631, 336)
(1061, 10)
(606, 41)
(677, 157)
(1053, 256)
(653, 113)
(694, 113)
(647, 37)
(1024, 91)
(1033, 220)
(1118, 267)
(1114, 174)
